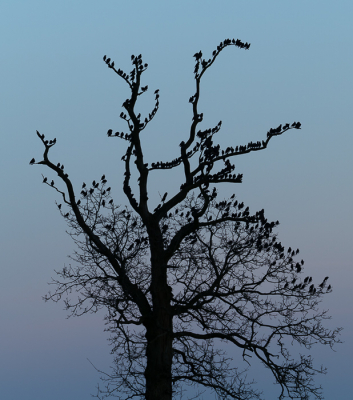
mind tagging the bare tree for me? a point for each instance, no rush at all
(179, 280)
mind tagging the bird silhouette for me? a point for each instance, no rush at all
(32, 161)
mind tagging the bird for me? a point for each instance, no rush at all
(32, 161)
(52, 183)
(45, 180)
(164, 196)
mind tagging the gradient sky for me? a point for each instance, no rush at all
(53, 79)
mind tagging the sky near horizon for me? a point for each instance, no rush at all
(299, 68)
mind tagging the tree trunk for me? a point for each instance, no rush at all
(158, 371)
(159, 335)
(159, 325)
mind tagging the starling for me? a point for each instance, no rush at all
(32, 161)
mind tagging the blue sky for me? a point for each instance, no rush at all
(299, 68)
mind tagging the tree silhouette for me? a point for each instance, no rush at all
(195, 272)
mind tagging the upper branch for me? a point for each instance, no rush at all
(135, 126)
(100, 247)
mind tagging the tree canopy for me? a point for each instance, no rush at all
(180, 280)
